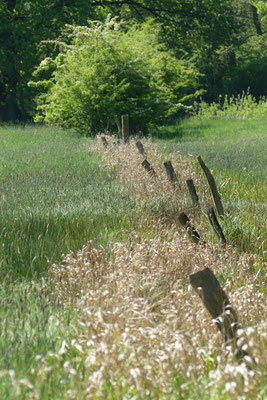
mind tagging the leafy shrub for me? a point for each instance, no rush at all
(105, 70)
(243, 106)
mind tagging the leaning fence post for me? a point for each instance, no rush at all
(104, 140)
(213, 187)
(185, 222)
(140, 147)
(193, 192)
(216, 226)
(217, 303)
(170, 172)
(125, 127)
(149, 168)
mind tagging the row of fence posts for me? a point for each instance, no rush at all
(203, 282)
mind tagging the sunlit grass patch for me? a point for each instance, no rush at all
(236, 152)
(54, 197)
(145, 333)
(33, 327)
(241, 107)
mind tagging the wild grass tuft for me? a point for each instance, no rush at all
(241, 107)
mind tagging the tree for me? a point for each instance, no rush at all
(106, 71)
(24, 24)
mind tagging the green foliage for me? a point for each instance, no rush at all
(262, 9)
(24, 24)
(243, 106)
(106, 71)
(251, 73)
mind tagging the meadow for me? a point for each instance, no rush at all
(54, 198)
(236, 151)
(114, 317)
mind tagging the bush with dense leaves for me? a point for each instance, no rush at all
(105, 70)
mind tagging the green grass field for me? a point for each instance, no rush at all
(237, 147)
(55, 196)
(236, 151)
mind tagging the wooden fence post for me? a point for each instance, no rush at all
(140, 147)
(216, 302)
(193, 192)
(213, 187)
(125, 127)
(149, 168)
(216, 226)
(170, 172)
(185, 222)
(104, 140)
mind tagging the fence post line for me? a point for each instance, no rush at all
(125, 128)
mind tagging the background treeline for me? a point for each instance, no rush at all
(222, 45)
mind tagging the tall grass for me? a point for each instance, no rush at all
(241, 107)
(54, 197)
(33, 325)
(144, 333)
(119, 321)
(236, 151)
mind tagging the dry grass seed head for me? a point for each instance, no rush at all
(142, 325)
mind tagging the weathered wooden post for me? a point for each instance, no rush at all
(216, 226)
(104, 140)
(193, 192)
(185, 222)
(170, 172)
(149, 168)
(213, 187)
(125, 128)
(217, 303)
(140, 147)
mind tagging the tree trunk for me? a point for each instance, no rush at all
(256, 19)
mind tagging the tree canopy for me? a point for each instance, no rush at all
(106, 70)
(225, 38)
